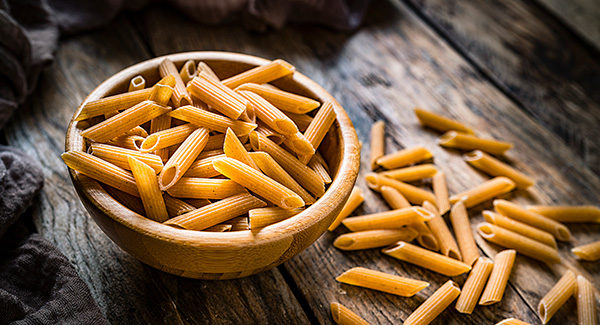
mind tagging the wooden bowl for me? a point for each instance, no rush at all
(213, 255)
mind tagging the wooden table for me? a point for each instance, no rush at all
(513, 70)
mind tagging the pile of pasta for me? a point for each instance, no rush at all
(199, 153)
(417, 215)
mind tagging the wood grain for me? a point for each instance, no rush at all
(580, 15)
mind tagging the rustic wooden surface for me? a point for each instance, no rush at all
(521, 78)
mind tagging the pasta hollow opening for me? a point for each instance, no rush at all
(454, 254)
(168, 176)
(473, 155)
(429, 242)
(148, 144)
(447, 137)
(485, 231)
(254, 141)
(542, 311)
(344, 241)
(372, 181)
(292, 202)
(138, 81)
(563, 234)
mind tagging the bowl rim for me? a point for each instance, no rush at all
(339, 188)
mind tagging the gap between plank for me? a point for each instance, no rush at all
(312, 318)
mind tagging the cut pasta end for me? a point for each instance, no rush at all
(454, 254)
(445, 138)
(149, 144)
(168, 177)
(542, 312)
(372, 181)
(343, 242)
(292, 202)
(394, 247)
(428, 241)
(473, 155)
(563, 233)
(286, 126)
(485, 230)
(335, 312)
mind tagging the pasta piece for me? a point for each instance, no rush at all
(521, 244)
(131, 202)
(183, 158)
(496, 286)
(557, 296)
(568, 213)
(198, 203)
(440, 123)
(394, 198)
(411, 174)
(238, 223)
(188, 71)
(219, 228)
(464, 235)
(301, 120)
(440, 190)
(272, 135)
(203, 67)
(217, 96)
(147, 184)
(261, 74)
(215, 141)
(513, 211)
(318, 128)
(272, 169)
(118, 156)
(138, 130)
(474, 285)
(377, 143)
(161, 123)
(212, 121)
(180, 95)
(512, 321)
(495, 167)
(125, 121)
(320, 168)
(163, 90)
(233, 148)
(374, 238)
(258, 183)
(586, 302)
(427, 259)
(464, 141)
(441, 232)
(205, 188)
(388, 219)
(520, 228)
(269, 114)
(299, 144)
(132, 142)
(434, 305)
(344, 316)
(413, 194)
(371, 279)
(267, 216)
(589, 252)
(404, 158)
(484, 191)
(176, 207)
(137, 83)
(161, 139)
(203, 168)
(217, 212)
(283, 100)
(426, 237)
(355, 199)
(101, 171)
(112, 103)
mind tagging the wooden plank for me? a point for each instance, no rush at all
(581, 15)
(126, 290)
(533, 58)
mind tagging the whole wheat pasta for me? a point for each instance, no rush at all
(512, 321)
(147, 184)
(212, 121)
(494, 290)
(301, 120)
(484, 191)
(161, 123)
(355, 199)
(269, 114)
(133, 142)
(474, 285)
(320, 168)
(272, 135)
(162, 91)
(101, 170)
(520, 228)
(203, 67)
(318, 128)
(374, 238)
(272, 169)
(161, 139)
(118, 156)
(404, 158)
(217, 212)
(205, 188)
(219, 228)
(138, 130)
(425, 237)
(589, 252)
(112, 103)
(258, 183)
(299, 144)
(388, 219)
(440, 190)
(219, 97)
(203, 168)
(238, 223)
(441, 232)
(434, 305)
(380, 281)
(427, 259)
(137, 83)
(463, 141)
(261, 74)
(495, 167)
(283, 100)
(394, 198)
(125, 121)
(377, 142)
(413, 194)
(176, 207)
(188, 71)
(521, 244)
(198, 203)
(440, 123)
(180, 95)
(513, 211)
(263, 217)
(411, 174)
(215, 141)
(183, 158)
(344, 316)
(464, 235)
(586, 302)
(131, 202)
(557, 296)
(300, 172)
(233, 148)
(568, 213)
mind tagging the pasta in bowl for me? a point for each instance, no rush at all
(224, 166)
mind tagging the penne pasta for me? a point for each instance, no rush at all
(299, 144)
(212, 121)
(427, 259)
(137, 83)
(557, 296)
(205, 188)
(344, 316)
(404, 158)
(162, 91)
(219, 228)
(263, 217)
(318, 128)
(440, 190)
(474, 285)
(440, 123)
(512, 321)
(198, 203)
(521, 244)
(147, 185)
(215, 141)
(413, 194)
(283, 100)
(188, 71)
(233, 148)
(434, 305)
(161, 123)
(301, 120)
(495, 167)
(464, 235)
(238, 223)
(388, 219)
(129, 201)
(138, 130)
(374, 238)
(203, 168)
(203, 67)
(161, 139)
(355, 199)
(494, 290)
(411, 174)
(217, 95)
(113, 103)
(132, 142)
(317, 164)
(272, 135)
(176, 207)
(380, 281)
(118, 156)
(377, 143)
(269, 114)
(568, 213)
(589, 252)
(394, 198)
(425, 237)
(183, 158)
(180, 95)
(464, 141)
(440, 230)
(484, 191)
(513, 211)
(261, 74)
(520, 228)
(586, 302)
